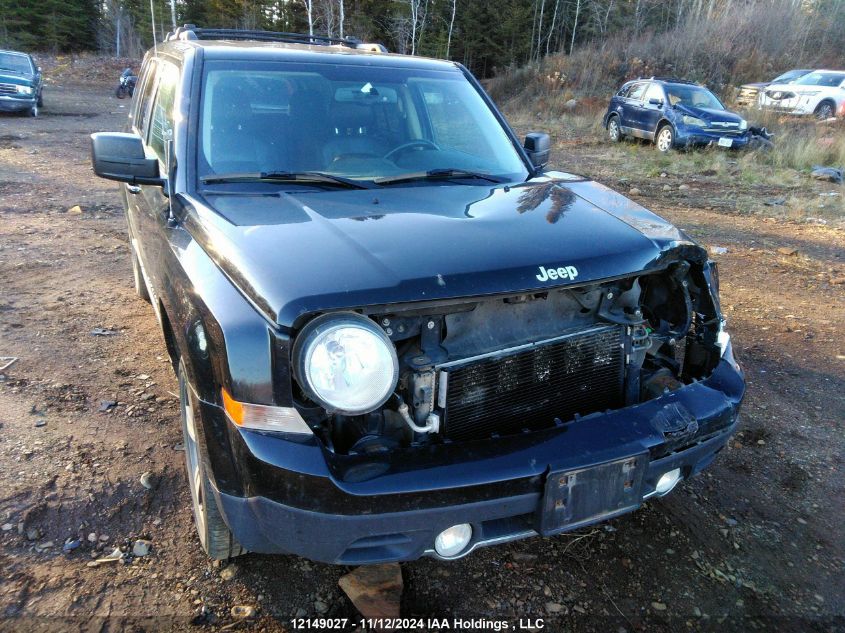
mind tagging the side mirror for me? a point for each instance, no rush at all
(655, 101)
(119, 156)
(538, 146)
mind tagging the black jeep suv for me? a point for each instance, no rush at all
(396, 334)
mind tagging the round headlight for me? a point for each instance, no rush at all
(346, 363)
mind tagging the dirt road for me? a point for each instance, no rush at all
(755, 543)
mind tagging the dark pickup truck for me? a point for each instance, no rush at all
(396, 332)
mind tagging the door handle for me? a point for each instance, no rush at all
(133, 189)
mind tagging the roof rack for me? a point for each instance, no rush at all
(192, 32)
(671, 80)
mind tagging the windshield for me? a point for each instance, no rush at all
(357, 122)
(789, 76)
(821, 79)
(17, 63)
(694, 96)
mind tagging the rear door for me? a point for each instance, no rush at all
(651, 113)
(632, 105)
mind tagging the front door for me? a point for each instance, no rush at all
(651, 113)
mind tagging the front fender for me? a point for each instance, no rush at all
(222, 339)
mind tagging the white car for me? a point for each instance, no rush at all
(821, 93)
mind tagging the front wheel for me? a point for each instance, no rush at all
(33, 111)
(120, 93)
(614, 132)
(40, 102)
(215, 537)
(824, 111)
(665, 139)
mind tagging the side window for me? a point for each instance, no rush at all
(637, 91)
(161, 119)
(655, 91)
(143, 106)
(623, 92)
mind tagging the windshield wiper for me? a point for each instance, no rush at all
(435, 174)
(288, 176)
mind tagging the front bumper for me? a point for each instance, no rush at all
(16, 104)
(297, 498)
(690, 137)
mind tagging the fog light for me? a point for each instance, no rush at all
(453, 540)
(668, 481)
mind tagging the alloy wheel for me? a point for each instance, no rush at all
(192, 458)
(664, 139)
(825, 111)
(613, 130)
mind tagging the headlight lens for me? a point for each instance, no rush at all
(25, 90)
(743, 125)
(346, 363)
(691, 120)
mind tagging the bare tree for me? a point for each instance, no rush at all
(540, 27)
(552, 27)
(309, 9)
(575, 25)
(451, 26)
(341, 16)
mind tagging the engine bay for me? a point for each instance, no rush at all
(493, 367)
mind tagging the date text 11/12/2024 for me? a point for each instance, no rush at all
(415, 624)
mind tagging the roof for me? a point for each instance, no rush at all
(266, 45)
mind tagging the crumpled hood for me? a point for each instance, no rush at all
(709, 114)
(313, 251)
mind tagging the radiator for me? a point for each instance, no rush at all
(530, 386)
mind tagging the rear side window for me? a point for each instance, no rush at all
(161, 120)
(623, 92)
(149, 79)
(637, 91)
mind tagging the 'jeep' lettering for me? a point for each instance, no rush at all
(563, 272)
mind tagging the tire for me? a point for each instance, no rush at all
(40, 102)
(120, 93)
(614, 132)
(664, 140)
(825, 110)
(138, 277)
(33, 111)
(216, 539)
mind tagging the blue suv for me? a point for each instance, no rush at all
(673, 113)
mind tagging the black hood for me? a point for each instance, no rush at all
(301, 253)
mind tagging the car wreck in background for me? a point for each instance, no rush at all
(820, 93)
(749, 94)
(673, 113)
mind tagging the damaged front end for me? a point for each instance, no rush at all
(495, 367)
(495, 418)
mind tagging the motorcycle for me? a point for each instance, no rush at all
(126, 85)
